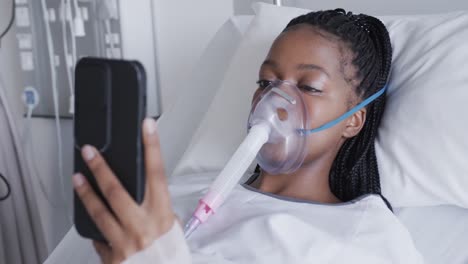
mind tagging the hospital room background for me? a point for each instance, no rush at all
(188, 49)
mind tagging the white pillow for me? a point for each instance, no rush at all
(422, 148)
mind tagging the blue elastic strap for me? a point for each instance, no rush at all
(347, 114)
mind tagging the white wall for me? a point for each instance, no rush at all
(138, 43)
(183, 28)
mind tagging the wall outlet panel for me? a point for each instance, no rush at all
(34, 55)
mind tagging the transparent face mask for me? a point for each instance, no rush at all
(281, 106)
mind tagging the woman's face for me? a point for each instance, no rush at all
(320, 66)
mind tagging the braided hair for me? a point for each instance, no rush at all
(354, 171)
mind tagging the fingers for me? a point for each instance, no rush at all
(104, 251)
(156, 185)
(119, 199)
(98, 212)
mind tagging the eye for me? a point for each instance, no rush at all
(309, 89)
(263, 83)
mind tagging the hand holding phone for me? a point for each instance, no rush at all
(129, 227)
(121, 195)
(110, 105)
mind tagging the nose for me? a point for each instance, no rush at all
(283, 94)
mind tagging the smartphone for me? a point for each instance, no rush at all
(110, 105)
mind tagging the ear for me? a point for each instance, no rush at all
(355, 123)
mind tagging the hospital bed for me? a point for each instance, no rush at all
(439, 228)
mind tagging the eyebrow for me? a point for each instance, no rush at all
(299, 66)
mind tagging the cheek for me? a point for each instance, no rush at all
(317, 114)
(321, 111)
(323, 141)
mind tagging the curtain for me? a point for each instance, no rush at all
(21, 235)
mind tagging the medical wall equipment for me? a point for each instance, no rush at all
(57, 33)
(278, 126)
(78, 28)
(31, 99)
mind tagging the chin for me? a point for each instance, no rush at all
(273, 152)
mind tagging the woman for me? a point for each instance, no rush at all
(332, 205)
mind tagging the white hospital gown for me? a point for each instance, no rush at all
(254, 227)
